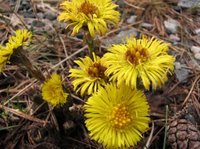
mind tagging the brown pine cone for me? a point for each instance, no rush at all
(183, 135)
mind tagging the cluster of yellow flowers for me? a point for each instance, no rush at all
(117, 113)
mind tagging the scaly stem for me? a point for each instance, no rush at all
(20, 58)
(92, 45)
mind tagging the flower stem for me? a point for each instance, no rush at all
(19, 57)
(92, 44)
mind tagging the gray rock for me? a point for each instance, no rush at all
(181, 72)
(197, 56)
(40, 15)
(49, 15)
(120, 38)
(195, 49)
(194, 64)
(131, 19)
(171, 25)
(189, 3)
(25, 5)
(197, 31)
(28, 15)
(177, 65)
(37, 23)
(146, 25)
(24, 2)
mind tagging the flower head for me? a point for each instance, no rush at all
(20, 39)
(52, 91)
(89, 76)
(142, 59)
(117, 117)
(3, 57)
(94, 14)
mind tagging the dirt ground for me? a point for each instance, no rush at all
(28, 122)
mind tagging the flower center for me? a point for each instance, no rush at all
(88, 8)
(136, 55)
(120, 116)
(97, 70)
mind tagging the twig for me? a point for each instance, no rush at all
(17, 6)
(20, 92)
(150, 137)
(23, 115)
(69, 57)
(136, 7)
(190, 92)
(165, 137)
(65, 50)
(76, 97)
(9, 127)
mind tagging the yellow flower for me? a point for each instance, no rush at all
(20, 39)
(142, 59)
(52, 91)
(117, 116)
(3, 57)
(94, 14)
(89, 76)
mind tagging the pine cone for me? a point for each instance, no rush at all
(183, 135)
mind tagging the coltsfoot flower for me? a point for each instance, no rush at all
(4, 56)
(52, 91)
(89, 76)
(117, 116)
(20, 39)
(143, 59)
(94, 14)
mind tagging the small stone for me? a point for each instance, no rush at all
(24, 2)
(49, 15)
(177, 8)
(121, 37)
(174, 37)
(182, 74)
(40, 15)
(146, 25)
(194, 63)
(188, 3)
(171, 25)
(177, 65)
(195, 49)
(37, 23)
(197, 31)
(197, 56)
(190, 118)
(28, 15)
(131, 19)
(25, 5)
